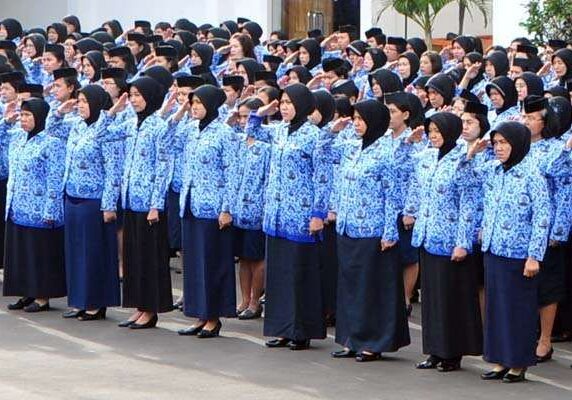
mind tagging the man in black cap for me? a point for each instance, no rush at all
(375, 38)
(9, 82)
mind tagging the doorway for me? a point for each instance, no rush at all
(300, 16)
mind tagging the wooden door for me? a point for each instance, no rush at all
(299, 16)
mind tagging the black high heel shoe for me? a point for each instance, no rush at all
(449, 365)
(276, 343)
(299, 345)
(100, 314)
(192, 330)
(431, 363)
(510, 378)
(494, 375)
(546, 357)
(72, 314)
(147, 325)
(35, 307)
(365, 357)
(208, 334)
(126, 324)
(21, 303)
(344, 353)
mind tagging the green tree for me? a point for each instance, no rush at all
(548, 19)
(465, 8)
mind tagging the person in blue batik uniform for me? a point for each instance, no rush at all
(205, 202)
(32, 57)
(295, 209)
(370, 276)
(406, 114)
(504, 98)
(144, 185)
(92, 181)
(443, 231)
(34, 247)
(516, 226)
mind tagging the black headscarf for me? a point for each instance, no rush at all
(444, 85)
(98, 100)
(387, 80)
(61, 30)
(326, 106)
(563, 111)
(162, 76)
(518, 135)
(376, 116)
(152, 91)
(97, 61)
(450, 127)
(303, 102)
(534, 84)
(212, 98)
(205, 53)
(230, 26)
(304, 76)
(254, 30)
(313, 47)
(419, 46)
(566, 56)
(40, 109)
(414, 67)
(115, 26)
(88, 44)
(466, 42)
(499, 60)
(475, 57)
(13, 27)
(405, 101)
(38, 41)
(378, 56)
(188, 39)
(186, 25)
(251, 66)
(505, 86)
(103, 37)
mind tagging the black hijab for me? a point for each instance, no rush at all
(97, 61)
(518, 135)
(444, 85)
(254, 30)
(450, 127)
(98, 100)
(230, 26)
(38, 41)
(313, 47)
(534, 84)
(303, 102)
(419, 46)
(13, 28)
(387, 80)
(152, 91)
(88, 44)
(378, 56)
(475, 57)
(566, 56)
(205, 53)
(39, 109)
(115, 27)
(188, 39)
(499, 60)
(326, 106)
(507, 90)
(212, 98)
(413, 67)
(376, 116)
(405, 101)
(61, 30)
(304, 75)
(466, 42)
(251, 66)
(162, 76)
(563, 111)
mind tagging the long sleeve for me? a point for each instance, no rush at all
(321, 179)
(57, 126)
(541, 211)
(54, 156)
(113, 165)
(229, 165)
(391, 209)
(162, 168)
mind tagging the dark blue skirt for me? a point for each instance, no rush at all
(3, 184)
(552, 277)
(34, 262)
(293, 307)
(174, 220)
(371, 313)
(91, 256)
(407, 253)
(511, 313)
(329, 269)
(249, 244)
(450, 311)
(208, 275)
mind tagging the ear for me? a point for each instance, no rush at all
(406, 115)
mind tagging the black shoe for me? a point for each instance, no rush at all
(208, 334)
(178, 305)
(299, 344)
(449, 366)
(510, 378)
(100, 314)
(364, 357)
(35, 307)
(343, 354)
(147, 325)
(546, 357)
(249, 314)
(431, 363)
(408, 310)
(494, 375)
(21, 303)
(72, 313)
(276, 343)
(125, 324)
(191, 331)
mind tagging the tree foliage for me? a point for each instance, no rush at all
(548, 19)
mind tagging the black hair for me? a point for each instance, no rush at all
(73, 20)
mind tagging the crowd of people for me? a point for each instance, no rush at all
(331, 169)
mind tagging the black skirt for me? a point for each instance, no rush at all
(146, 274)
(408, 254)
(563, 322)
(511, 313)
(208, 275)
(249, 244)
(174, 220)
(34, 262)
(91, 256)
(371, 313)
(329, 269)
(451, 316)
(293, 307)
(3, 184)
(552, 277)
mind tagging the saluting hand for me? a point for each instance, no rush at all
(531, 267)
(10, 113)
(270, 109)
(340, 124)
(183, 61)
(477, 147)
(67, 106)
(416, 135)
(545, 69)
(119, 105)
(182, 110)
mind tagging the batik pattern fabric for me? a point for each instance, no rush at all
(8, 132)
(34, 71)
(511, 114)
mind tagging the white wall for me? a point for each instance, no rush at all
(507, 15)
(34, 13)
